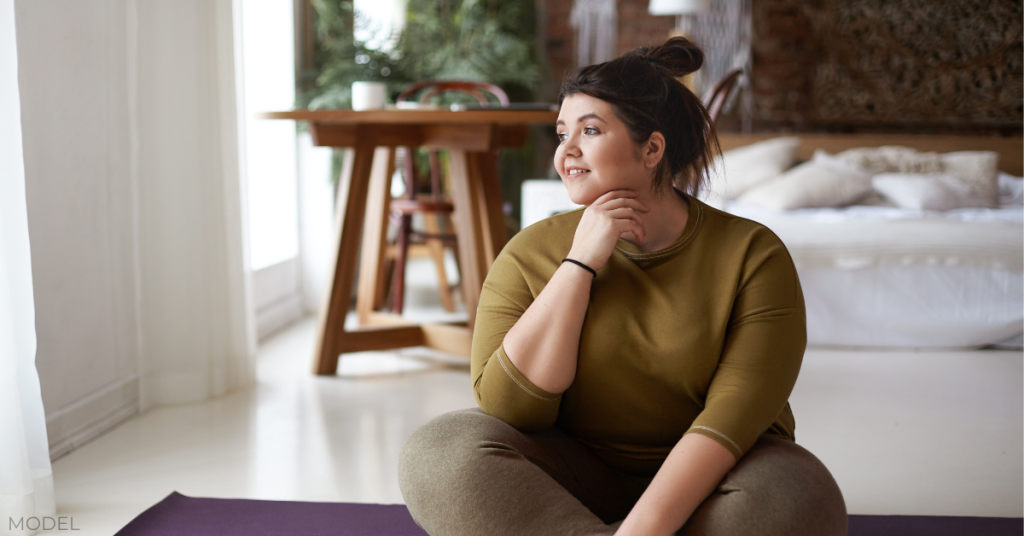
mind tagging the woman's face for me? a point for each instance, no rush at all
(595, 154)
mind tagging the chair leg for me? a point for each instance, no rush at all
(387, 272)
(397, 297)
(435, 175)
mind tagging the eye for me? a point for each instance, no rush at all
(561, 137)
(591, 131)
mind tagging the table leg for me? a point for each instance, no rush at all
(371, 261)
(484, 172)
(469, 225)
(351, 208)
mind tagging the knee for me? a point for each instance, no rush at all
(777, 488)
(440, 453)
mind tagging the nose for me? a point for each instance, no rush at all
(571, 146)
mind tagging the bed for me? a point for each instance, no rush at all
(879, 276)
(876, 275)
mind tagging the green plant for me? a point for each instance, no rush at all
(338, 59)
(482, 40)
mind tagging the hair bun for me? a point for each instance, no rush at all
(679, 56)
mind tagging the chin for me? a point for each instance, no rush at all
(580, 199)
(578, 194)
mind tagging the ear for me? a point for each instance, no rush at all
(654, 150)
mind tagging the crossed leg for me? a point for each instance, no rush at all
(468, 473)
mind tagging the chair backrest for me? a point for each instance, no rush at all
(476, 89)
(718, 95)
(714, 100)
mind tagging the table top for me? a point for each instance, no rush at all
(502, 117)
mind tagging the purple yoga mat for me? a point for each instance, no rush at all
(178, 515)
(935, 526)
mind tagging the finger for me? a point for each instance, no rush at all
(629, 226)
(628, 217)
(625, 213)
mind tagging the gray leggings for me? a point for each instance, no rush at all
(468, 473)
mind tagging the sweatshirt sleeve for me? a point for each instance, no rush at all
(500, 390)
(764, 346)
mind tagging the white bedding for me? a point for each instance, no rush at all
(863, 236)
(913, 306)
(887, 277)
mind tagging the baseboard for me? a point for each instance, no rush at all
(76, 423)
(271, 318)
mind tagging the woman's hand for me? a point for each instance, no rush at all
(692, 471)
(610, 217)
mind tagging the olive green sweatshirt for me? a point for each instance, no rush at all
(705, 336)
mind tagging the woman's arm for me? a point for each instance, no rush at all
(690, 473)
(544, 343)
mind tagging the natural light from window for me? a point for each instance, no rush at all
(383, 21)
(268, 52)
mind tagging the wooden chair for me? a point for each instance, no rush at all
(435, 207)
(716, 97)
(714, 100)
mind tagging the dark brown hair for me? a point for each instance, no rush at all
(643, 90)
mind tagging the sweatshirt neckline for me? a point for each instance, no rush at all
(692, 225)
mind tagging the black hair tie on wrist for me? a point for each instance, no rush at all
(581, 265)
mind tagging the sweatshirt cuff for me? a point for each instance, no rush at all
(503, 392)
(517, 377)
(719, 437)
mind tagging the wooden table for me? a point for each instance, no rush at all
(471, 138)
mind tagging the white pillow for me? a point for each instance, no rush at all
(892, 159)
(977, 169)
(739, 169)
(1011, 189)
(824, 181)
(927, 191)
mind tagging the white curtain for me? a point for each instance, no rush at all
(596, 24)
(26, 480)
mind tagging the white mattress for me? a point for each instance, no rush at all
(886, 277)
(863, 236)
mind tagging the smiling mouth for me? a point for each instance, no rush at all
(577, 172)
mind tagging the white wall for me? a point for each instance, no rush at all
(79, 192)
(135, 221)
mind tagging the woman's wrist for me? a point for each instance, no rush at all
(588, 260)
(647, 521)
(582, 266)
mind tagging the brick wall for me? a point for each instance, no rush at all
(782, 65)
(636, 28)
(639, 28)
(793, 58)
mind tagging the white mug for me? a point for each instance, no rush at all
(368, 95)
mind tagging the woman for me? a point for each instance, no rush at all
(633, 359)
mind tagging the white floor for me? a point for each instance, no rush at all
(937, 433)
